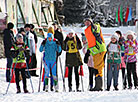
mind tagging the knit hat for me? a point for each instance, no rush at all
(115, 36)
(71, 31)
(19, 36)
(27, 25)
(130, 33)
(88, 19)
(49, 35)
(51, 30)
(10, 25)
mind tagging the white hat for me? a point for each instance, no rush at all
(130, 33)
(115, 35)
(19, 36)
(71, 31)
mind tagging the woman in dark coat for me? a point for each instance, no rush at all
(72, 45)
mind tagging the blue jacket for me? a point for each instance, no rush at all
(50, 48)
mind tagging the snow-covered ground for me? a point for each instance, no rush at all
(86, 96)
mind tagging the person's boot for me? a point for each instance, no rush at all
(46, 88)
(18, 90)
(91, 86)
(77, 89)
(26, 91)
(124, 87)
(70, 89)
(51, 88)
(108, 88)
(116, 88)
(98, 84)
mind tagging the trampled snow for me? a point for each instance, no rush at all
(86, 96)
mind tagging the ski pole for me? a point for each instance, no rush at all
(40, 75)
(64, 88)
(29, 74)
(125, 71)
(82, 81)
(11, 75)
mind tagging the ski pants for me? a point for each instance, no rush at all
(70, 76)
(92, 72)
(50, 65)
(17, 71)
(9, 65)
(112, 72)
(131, 68)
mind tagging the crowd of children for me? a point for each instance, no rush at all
(121, 54)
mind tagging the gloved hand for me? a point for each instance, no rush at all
(86, 56)
(44, 42)
(57, 42)
(67, 38)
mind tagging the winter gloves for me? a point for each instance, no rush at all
(87, 56)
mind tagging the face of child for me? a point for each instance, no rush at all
(113, 40)
(20, 40)
(87, 23)
(70, 35)
(130, 37)
(49, 38)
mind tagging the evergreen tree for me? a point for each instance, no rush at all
(74, 11)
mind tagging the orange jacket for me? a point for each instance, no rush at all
(90, 37)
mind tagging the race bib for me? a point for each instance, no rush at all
(113, 48)
(130, 50)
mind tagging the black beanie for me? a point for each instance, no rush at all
(27, 25)
(10, 25)
(32, 26)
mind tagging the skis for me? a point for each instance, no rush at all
(40, 75)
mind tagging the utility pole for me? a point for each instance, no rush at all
(137, 18)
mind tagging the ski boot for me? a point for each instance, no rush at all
(46, 88)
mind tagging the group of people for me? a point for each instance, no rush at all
(120, 53)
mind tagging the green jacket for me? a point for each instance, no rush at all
(19, 51)
(113, 53)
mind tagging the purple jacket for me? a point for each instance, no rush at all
(131, 48)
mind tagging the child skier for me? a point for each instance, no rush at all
(113, 61)
(122, 65)
(72, 45)
(50, 46)
(131, 48)
(89, 62)
(19, 51)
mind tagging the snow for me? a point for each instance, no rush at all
(86, 96)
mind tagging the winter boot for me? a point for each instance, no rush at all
(46, 88)
(77, 89)
(91, 86)
(45, 84)
(26, 91)
(98, 84)
(108, 88)
(116, 88)
(18, 90)
(70, 89)
(51, 88)
(130, 87)
(124, 87)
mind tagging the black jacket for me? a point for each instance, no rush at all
(58, 35)
(8, 40)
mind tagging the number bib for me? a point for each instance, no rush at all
(72, 46)
(113, 48)
(130, 50)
